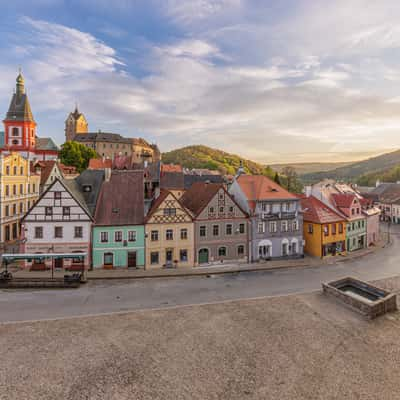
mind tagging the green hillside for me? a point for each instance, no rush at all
(310, 167)
(206, 157)
(389, 175)
(353, 172)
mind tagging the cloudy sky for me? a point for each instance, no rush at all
(290, 80)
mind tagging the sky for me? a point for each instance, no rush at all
(272, 81)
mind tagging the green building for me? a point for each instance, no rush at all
(118, 236)
(356, 234)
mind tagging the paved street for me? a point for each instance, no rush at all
(116, 296)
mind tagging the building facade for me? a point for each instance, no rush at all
(118, 235)
(220, 225)
(169, 233)
(324, 230)
(275, 217)
(19, 190)
(59, 222)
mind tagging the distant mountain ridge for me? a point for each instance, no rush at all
(353, 172)
(310, 167)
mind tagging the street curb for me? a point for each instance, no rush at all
(200, 273)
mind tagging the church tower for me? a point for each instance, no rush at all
(19, 125)
(75, 124)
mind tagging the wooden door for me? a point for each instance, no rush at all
(132, 259)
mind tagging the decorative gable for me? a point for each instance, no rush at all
(57, 204)
(169, 211)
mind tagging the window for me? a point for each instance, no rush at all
(228, 229)
(15, 170)
(29, 187)
(240, 250)
(310, 229)
(7, 190)
(154, 236)
(57, 195)
(169, 211)
(48, 211)
(58, 232)
(221, 196)
(21, 170)
(15, 131)
(33, 187)
(104, 237)
(78, 232)
(14, 190)
(216, 230)
(14, 209)
(231, 209)
(241, 228)
(7, 210)
(184, 234)
(108, 258)
(284, 226)
(203, 231)
(295, 226)
(21, 208)
(183, 255)
(169, 234)
(221, 210)
(333, 229)
(131, 236)
(261, 227)
(38, 232)
(352, 211)
(211, 210)
(8, 170)
(358, 210)
(273, 227)
(222, 251)
(21, 189)
(326, 230)
(118, 236)
(340, 228)
(66, 211)
(154, 257)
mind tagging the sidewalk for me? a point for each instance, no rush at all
(124, 273)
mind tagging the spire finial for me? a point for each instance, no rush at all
(20, 87)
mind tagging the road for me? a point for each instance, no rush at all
(119, 296)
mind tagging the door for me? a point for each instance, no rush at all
(169, 255)
(203, 256)
(58, 263)
(108, 260)
(132, 259)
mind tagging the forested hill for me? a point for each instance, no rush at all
(354, 171)
(206, 157)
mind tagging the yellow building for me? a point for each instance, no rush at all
(75, 124)
(19, 190)
(169, 234)
(324, 229)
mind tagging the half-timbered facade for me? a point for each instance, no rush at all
(220, 225)
(59, 222)
(169, 233)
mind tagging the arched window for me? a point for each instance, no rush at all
(15, 142)
(222, 251)
(15, 170)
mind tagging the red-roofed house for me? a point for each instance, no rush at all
(324, 229)
(275, 216)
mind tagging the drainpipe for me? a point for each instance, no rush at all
(249, 244)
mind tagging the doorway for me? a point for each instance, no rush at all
(169, 255)
(132, 259)
(203, 256)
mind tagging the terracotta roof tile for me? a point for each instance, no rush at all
(171, 168)
(100, 163)
(316, 211)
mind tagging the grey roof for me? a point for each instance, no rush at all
(75, 190)
(189, 180)
(101, 137)
(92, 179)
(46, 144)
(383, 188)
(20, 109)
(172, 180)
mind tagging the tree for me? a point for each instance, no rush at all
(291, 177)
(76, 155)
(276, 178)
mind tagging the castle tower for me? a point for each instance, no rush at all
(75, 124)
(19, 125)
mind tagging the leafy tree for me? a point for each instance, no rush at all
(77, 155)
(276, 178)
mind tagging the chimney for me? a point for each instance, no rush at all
(308, 190)
(107, 174)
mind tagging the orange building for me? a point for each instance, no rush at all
(324, 229)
